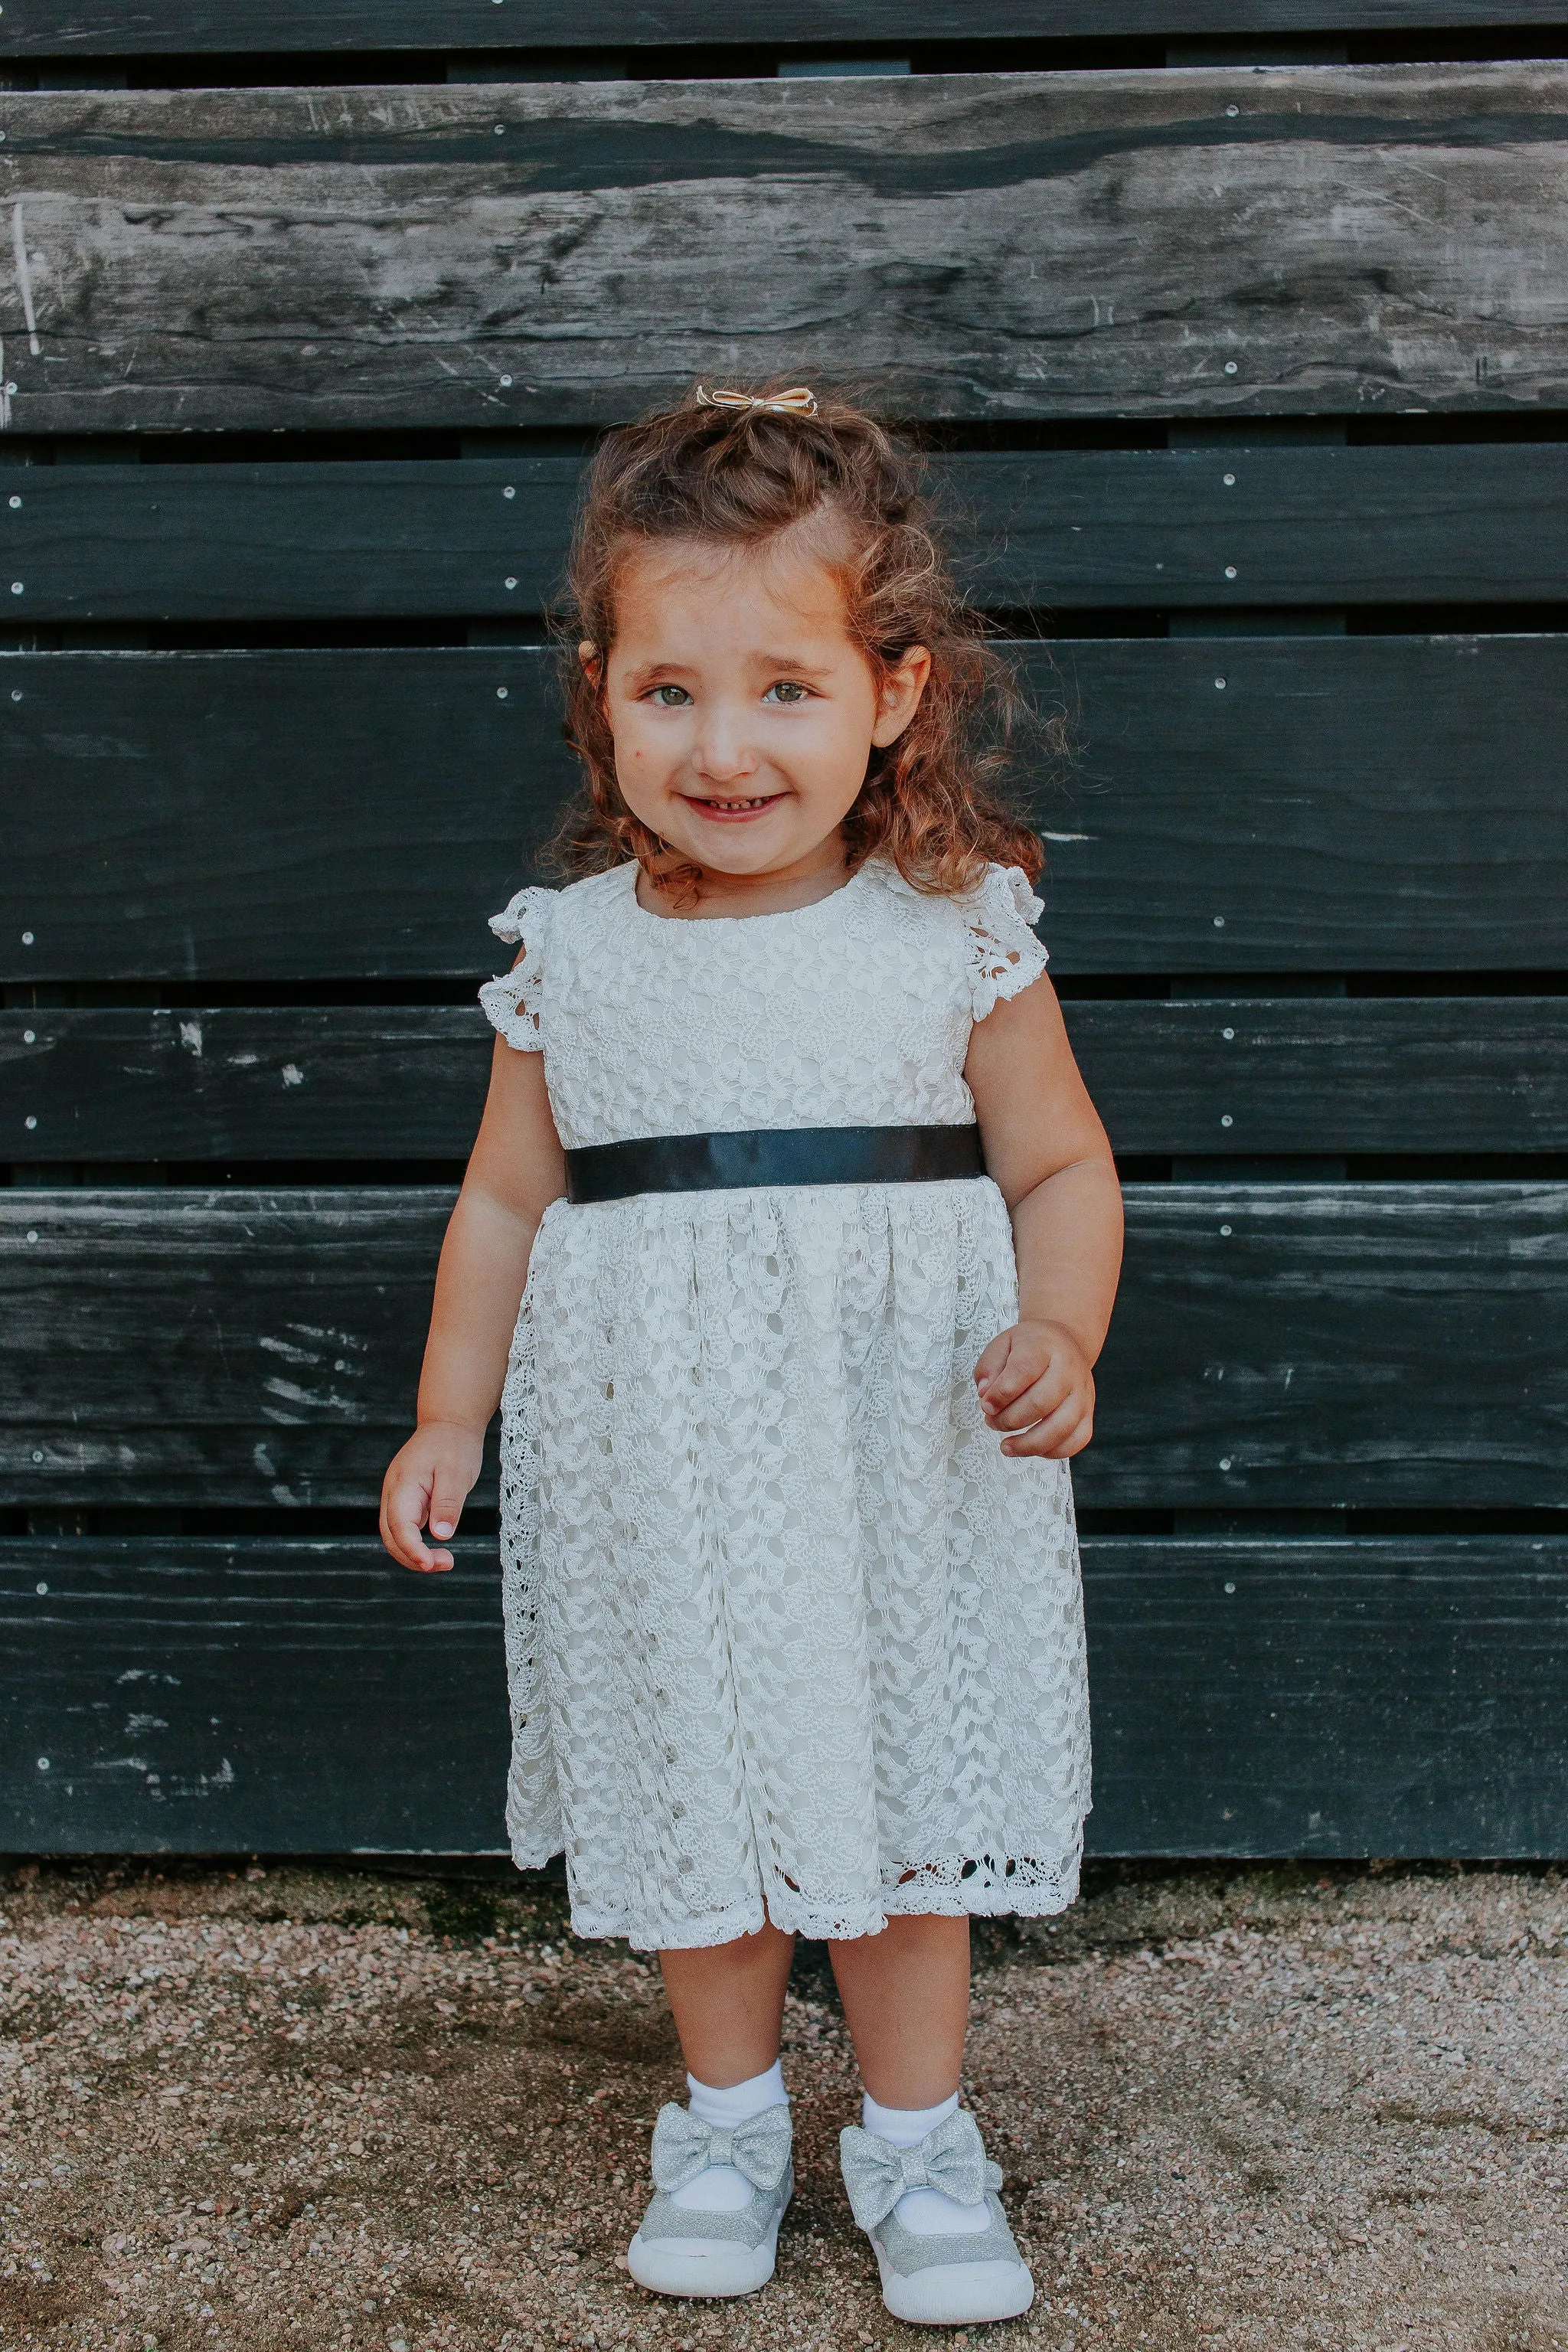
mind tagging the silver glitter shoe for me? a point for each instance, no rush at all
(947, 2279)
(685, 2252)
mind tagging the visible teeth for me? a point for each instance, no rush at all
(759, 802)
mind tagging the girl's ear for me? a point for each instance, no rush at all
(900, 698)
(588, 654)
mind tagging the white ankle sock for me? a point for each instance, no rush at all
(723, 2188)
(924, 2212)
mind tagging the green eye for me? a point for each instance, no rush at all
(785, 691)
(669, 698)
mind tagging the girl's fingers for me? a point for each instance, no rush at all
(991, 1361)
(1042, 1397)
(446, 1510)
(1060, 1435)
(1017, 1376)
(401, 1517)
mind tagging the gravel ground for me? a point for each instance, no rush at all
(283, 2107)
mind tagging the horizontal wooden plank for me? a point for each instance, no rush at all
(1369, 1696)
(1239, 806)
(78, 28)
(359, 1082)
(1250, 1696)
(280, 1697)
(1275, 1345)
(488, 538)
(1341, 240)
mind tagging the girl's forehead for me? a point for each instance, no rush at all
(790, 573)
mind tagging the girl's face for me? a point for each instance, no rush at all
(743, 710)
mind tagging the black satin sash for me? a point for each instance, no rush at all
(773, 1155)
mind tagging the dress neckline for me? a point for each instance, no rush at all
(736, 922)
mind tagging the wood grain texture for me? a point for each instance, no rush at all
(1335, 805)
(1251, 1697)
(78, 28)
(487, 539)
(359, 1082)
(1275, 1345)
(1099, 244)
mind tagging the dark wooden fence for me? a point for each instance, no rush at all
(1238, 332)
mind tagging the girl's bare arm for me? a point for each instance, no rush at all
(1048, 1153)
(515, 1171)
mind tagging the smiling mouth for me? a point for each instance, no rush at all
(733, 805)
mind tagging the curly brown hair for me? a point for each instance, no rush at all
(738, 476)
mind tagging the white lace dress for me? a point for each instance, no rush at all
(788, 1636)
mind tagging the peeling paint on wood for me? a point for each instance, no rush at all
(1252, 1696)
(1215, 241)
(1275, 1345)
(75, 28)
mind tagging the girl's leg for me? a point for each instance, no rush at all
(715, 2232)
(728, 2005)
(906, 2002)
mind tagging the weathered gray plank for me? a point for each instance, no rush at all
(1251, 1697)
(487, 539)
(111, 28)
(1476, 1074)
(1211, 241)
(1275, 1345)
(1335, 805)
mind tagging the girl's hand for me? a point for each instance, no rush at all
(1035, 1382)
(428, 1482)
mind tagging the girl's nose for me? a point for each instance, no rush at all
(721, 754)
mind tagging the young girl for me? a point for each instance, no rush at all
(787, 1245)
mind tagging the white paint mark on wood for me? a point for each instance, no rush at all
(191, 1038)
(1067, 836)
(289, 1353)
(24, 277)
(293, 1075)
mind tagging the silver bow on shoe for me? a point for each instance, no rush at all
(952, 2158)
(683, 2146)
(937, 2278)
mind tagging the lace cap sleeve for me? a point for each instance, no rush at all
(515, 1000)
(1004, 955)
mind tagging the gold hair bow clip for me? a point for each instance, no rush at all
(799, 401)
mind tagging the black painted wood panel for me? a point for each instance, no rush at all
(411, 537)
(1275, 1345)
(1215, 241)
(1291, 1074)
(1238, 804)
(275, 1695)
(488, 538)
(1251, 1697)
(110, 28)
(1370, 1697)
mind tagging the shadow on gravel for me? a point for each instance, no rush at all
(396, 2105)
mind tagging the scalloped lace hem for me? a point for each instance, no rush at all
(1008, 1887)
